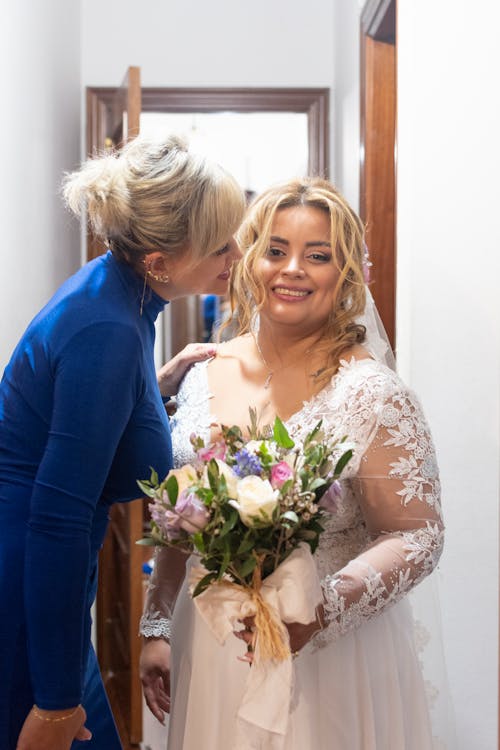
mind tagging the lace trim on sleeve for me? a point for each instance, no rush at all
(423, 547)
(154, 625)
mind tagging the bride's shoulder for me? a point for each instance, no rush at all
(230, 352)
(359, 371)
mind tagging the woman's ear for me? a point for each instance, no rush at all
(157, 267)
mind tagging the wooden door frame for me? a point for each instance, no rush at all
(378, 115)
(314, 102)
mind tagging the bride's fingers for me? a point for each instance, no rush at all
(153, 702)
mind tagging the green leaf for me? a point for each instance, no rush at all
(247, 543)
(213, 475)
(315, 526)
(205, 494)
(285, 487)
(280, 434)
(230, 522)
(199, 542)
(147, 541)
(145, 488)
(342, 462)
(291, 516)
(247, 567)
(316, 483)
(307, 534)
(172, 487)
(154, 479)
(313, 433)
(226, 559)
(203, 584)
(315, 455)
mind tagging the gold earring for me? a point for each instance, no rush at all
(163, 278)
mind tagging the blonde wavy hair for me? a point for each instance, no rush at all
(347, 238)
(157, 196)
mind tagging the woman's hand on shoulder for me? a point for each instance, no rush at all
(53, 730)
(170, 375)
(154, 669)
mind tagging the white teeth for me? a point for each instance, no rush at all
(291, 292)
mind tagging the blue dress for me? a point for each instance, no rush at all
(81, 419)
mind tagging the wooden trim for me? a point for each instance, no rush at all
(314, 102)
(378, 20)
(378, 171)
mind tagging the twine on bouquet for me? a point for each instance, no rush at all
(270, 632)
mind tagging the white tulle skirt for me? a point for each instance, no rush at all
(364, 691)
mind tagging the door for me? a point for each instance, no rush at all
(110, 124)
(378, 147)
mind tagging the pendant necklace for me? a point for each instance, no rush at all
(267, 381)
(269, 376)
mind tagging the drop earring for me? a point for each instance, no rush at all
(143, 292)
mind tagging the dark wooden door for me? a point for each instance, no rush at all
(378, 147)
(112, 120)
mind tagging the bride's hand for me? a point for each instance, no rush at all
(154, 668)
(171, 374)
(299, 634)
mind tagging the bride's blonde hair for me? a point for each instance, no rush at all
(347, 238)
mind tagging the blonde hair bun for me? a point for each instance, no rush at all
(157, 195)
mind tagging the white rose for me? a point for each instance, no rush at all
(228, 474)
(186, 476)
(255, 499)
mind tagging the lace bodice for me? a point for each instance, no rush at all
(386, 533)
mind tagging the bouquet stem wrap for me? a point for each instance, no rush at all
(290, 594)
(272, 635)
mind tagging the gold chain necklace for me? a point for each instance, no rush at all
(271, 372)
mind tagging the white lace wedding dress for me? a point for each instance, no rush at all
(358, 685)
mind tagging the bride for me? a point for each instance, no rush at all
(310, 348)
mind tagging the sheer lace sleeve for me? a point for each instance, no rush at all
(164, 585)
(397, 488)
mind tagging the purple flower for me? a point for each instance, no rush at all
(330, 499)
(189, 514)
(246, 464)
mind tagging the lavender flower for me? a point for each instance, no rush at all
(246, 464)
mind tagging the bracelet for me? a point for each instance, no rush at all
(38, 715)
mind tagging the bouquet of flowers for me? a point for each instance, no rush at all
(245, 506)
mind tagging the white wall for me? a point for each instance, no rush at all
(345, 132)
(448, 314)
(39, 140)
(217, 43)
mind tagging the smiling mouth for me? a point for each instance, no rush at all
(283, 291)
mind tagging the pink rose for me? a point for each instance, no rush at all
(329, 500)
(215, 450)
(280, 473)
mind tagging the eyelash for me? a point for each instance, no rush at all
(222, 250)
(276, 252)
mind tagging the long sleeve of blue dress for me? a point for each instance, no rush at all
(93, 402)
(81, 419)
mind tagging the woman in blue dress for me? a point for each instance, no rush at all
(81, 418)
